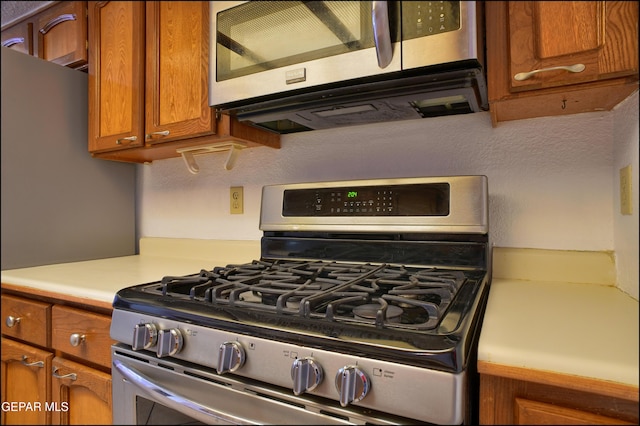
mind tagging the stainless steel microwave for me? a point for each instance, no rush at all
(301, 65)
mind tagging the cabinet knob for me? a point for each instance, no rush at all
(76, 339)
(12, 321)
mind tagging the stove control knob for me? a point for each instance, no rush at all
(169, 342)
(352, 384)
(144, 336)
(306, 374)
(230, 357)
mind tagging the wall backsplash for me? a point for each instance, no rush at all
(552, 181)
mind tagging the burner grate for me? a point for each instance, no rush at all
(382, 295)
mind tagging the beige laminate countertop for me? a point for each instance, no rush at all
(97, 281)
(536, 320)
(587, 330)
(560, 312)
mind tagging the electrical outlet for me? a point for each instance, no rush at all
(236, 200)
(625, 190)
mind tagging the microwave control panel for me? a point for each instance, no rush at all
(425, 18)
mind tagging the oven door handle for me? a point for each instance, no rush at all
(173, 400)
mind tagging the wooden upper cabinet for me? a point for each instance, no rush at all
(177, 64)
(595, 36)
(62, 34)
(116, 75)
(148, 73)
(19, 37)
(149, 84)
(57, 34)
(553, 58)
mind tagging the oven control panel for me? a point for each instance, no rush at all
(427, 199)
(350, 380)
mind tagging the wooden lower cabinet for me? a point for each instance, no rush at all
(521, 396)
(56, 360)
(82, 395)
(26, 390)
(533, 412)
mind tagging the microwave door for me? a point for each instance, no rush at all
(270, 48)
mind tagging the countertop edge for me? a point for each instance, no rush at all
(57, 296)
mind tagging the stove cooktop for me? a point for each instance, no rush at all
(386, 296)
(421, 314)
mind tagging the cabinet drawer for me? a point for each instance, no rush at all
(81, 333)
(25, 319)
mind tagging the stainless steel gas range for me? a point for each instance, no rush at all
(365, 307)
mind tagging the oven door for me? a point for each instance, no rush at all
(265, 48)
(148, 390)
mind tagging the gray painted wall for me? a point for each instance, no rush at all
(58, 203)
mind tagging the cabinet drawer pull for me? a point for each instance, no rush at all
(162, 133)
(12, 41)
(76, 339)
(126, 140)
(54, 372)
(12, 321)
(571, 68)
(31, 364)
(58, 20)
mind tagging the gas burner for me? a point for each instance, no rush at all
(380, 313)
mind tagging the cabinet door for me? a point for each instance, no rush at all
(526, 36)
(177, 63)
(82, 395)
(26, 375)
(553, 399)
(19, 37)
(116, 75)
(62, 34)
(601, 36)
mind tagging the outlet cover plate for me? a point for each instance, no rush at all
(236, 200)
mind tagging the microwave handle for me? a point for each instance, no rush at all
(381, 32)
(173, 400)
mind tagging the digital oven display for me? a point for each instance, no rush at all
(430, 199)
